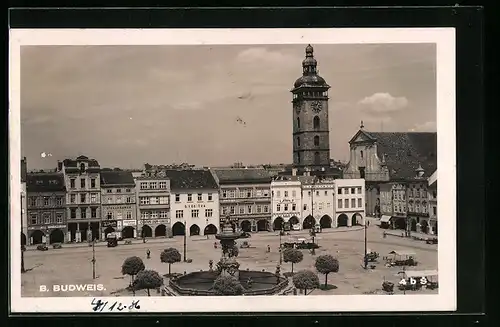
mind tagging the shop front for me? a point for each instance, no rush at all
(155, 228)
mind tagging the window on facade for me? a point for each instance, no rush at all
(152, 185)
(154, 200)
(144, 214)
(316, 140)
(249, 209)
(109, 190)
(93, 198)
(92, 183)
(109, 215)
(278, 207)
(83, 198)
(294, 194)
(242, 210)
(285, 207)
(362, 172)
(299, 157)
(144, 185)
(232, 210)
(59, 218)
(129, 215)
(179, 213)
(128, 190)
(46, 200)
(93, 212)
(294, 207)
(118, 190)
(33, 201)
(144, 200)
(278, 194)
(361, 153)
(177, 198)
(353, 191)
(83, 213)
(163, 214)
(266, 208)
(346, 203)
(118, 199)
(72, 183)
(33, 219)
(298, 122)
(73, 213)
(259, 209)
(210, 197)
(195, 213)
(266, 193)
(46, 218)
(242, 194)
(339, 191)
(163, 185)
(321, 205)
(82, 183)
(317, 158)
(129, 199)
(317, 193)
(224, 193)
(119, 215)
(200, 197)
(249, 193)
(163, 199)
(286, 194)
(190, 197)
(360, 203)
(359, 190)
(305, 207)
(154, 214)
(59, 200)
(298, 141)
(224, 210)
(209, 213)
(434, 210)
(316, 122)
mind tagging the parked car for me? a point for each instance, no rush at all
(42, 247)
(112, 240)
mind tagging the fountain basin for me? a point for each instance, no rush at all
(200, 283)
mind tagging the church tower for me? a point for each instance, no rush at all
(311, 143)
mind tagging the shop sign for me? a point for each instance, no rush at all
(129, 222)
(155, 221)
(194, 206)
(56, 226)
(109, 223)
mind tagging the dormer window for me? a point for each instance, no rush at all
(361, 154)
(82, 167)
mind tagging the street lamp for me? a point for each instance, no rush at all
(366, 247)
(185, 236)
(281, 246)
(93, 259)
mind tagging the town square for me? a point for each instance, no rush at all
(207, 222)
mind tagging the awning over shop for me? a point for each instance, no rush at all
(385, 219)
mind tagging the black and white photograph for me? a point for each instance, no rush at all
(156, 169)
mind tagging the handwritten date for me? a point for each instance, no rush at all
(113, 306)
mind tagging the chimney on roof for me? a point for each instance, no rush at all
(420, 171)
(59, 165)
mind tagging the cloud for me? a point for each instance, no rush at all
(380, 103)
(262, 55)
(429, 126)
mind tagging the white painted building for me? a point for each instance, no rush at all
(349, 202)
(194, 202)
(286, 202)
(318, 196)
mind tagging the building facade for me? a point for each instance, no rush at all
(245, 195)
(194, 202)
(418, 203)
(83, 198)
(286, 202)
(118, 204)
(153, 206)
(318, 197)
(311, 142)
(349, 202)
(46, 221)
(388, 157)
(433, 206)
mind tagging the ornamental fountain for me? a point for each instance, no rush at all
(200, 283)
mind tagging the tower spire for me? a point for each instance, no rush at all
(361, 126)
(309, 64)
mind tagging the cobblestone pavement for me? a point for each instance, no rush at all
(72, 264)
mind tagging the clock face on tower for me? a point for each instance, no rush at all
(297, 106)
(316, 106)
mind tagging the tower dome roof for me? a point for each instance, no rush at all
(310, 75)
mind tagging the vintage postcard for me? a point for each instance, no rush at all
(277, 170)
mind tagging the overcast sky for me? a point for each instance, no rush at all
(211, 105)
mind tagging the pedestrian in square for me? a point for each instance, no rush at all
(268, 249)
(148, 253)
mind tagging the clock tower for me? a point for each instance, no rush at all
(311, 143)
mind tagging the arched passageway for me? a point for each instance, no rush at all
(128, 232)
(178, 229)
(400, 223)
(146, 231)
(210, 230)
(325, 222)
(356, 219)
(108, 230)
(246, 226)
(194, 230)
(309, 222)
(160, 230)
(262, 225)
(56, 236)
(342, 220)
(37, 237)
(23, 239)
(278, 223)
(293, 221)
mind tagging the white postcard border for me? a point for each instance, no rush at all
(444, 38)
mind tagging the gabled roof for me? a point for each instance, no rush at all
(244, 175)
(73, 162)
(191, 179)
(114, 177)
(405, 152)
(45, 182)
(361, 135)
